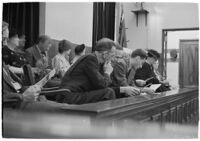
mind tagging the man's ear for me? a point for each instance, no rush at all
(137, 58)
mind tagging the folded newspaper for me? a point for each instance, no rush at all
(45, 79)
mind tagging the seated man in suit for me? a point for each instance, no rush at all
(124, 71)
(120, 67)
(17, 96)
(37, 55)
(13, 87)
(88, 79)
(84, 81)
(147, 70)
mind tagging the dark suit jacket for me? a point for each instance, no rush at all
(84, 75)
(119, 74)
(146, 72)
(33, 55)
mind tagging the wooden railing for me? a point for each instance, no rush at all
(120, 118)
(176, 106)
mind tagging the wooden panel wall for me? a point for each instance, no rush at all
(188, 65)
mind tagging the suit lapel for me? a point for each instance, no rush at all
(15, 77)
(36, 53)
(8, 80)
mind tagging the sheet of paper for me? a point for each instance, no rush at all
(155, 86)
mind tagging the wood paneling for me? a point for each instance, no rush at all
(176, 106)
(120, 118)
(188, 65)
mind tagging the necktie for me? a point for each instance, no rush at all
(131, 76)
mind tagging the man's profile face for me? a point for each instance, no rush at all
(155, 65)
(15, 40)
(137, 62)
(153, 60)
(5, 33)
(46, 44)
(22, 40)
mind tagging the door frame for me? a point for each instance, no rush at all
(163, 60)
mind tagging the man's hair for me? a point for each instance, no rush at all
(153, 54)
(104, 44)
(79, 49)
(63, 46)
(43, 38)
(139, 52)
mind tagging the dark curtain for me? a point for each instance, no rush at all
(24, 17)
(103, 21)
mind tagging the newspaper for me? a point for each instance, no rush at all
(45, 79)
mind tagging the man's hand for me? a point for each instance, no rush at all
(148, 90)
(31, 94)
(166, 82)
(108, 68)
(36, 70)
(130, 91)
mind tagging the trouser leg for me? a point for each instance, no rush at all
(88, 97)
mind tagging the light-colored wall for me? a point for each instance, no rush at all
(161, 16)
(70, 21)
(173, 41)
(174, 37)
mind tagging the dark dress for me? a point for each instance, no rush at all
(13, 58)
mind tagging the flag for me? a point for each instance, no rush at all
(122, 29)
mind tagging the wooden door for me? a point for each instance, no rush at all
(188, 63)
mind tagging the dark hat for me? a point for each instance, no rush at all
(139, 52)
(153, 53)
